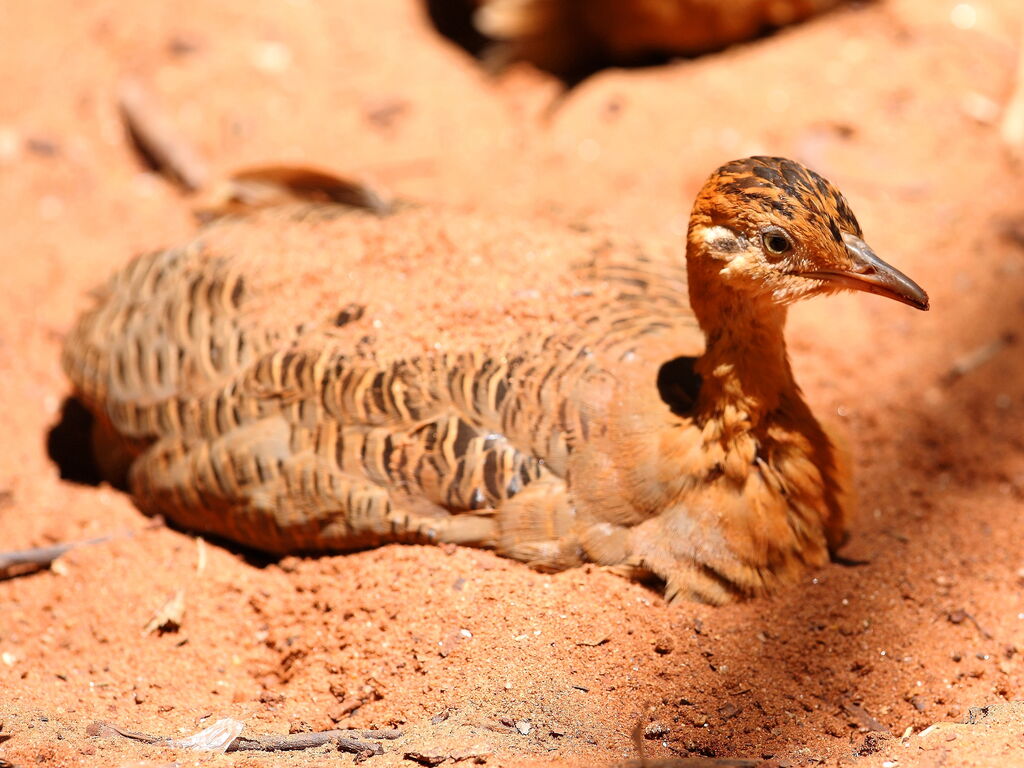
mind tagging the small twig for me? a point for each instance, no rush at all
(30, 560)
(977, 357)
(858, 713)
(958, 616)
(158, 140)
(902, 538)
(345, 740)
(109, 730)
(387, 734)
(200, 555)
(295, 741)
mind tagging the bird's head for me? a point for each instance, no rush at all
(771, 229)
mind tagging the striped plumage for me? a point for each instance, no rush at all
(251, 385)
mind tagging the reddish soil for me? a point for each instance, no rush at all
(892, 102)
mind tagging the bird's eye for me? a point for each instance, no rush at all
(776, 241)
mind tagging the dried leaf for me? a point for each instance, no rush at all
(161, 145)
(170, 616)
(265, 186)
(217, 738)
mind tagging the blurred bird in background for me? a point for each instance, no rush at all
(570, 38)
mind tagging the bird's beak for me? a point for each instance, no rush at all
(869, 273)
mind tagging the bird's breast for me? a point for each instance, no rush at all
(764, 493)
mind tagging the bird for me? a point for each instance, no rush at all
(570, 38)
(324, 377)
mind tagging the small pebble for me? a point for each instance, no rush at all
(963, 16)
(980, 108)
(655, 730)
(272, 57)
(10, 144)
(41, 147)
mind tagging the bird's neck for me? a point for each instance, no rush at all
(745, 371)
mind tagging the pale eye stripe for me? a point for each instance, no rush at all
(718, 233)
(723, 239)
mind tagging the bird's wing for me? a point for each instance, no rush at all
(278, 381)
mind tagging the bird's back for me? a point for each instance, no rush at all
(304, 377)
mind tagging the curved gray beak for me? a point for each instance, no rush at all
(869, 273)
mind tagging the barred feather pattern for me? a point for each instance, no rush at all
(284, 438)
(558, 394)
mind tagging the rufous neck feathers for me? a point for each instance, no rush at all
(745, 369)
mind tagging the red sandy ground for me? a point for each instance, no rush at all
(890, 101)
